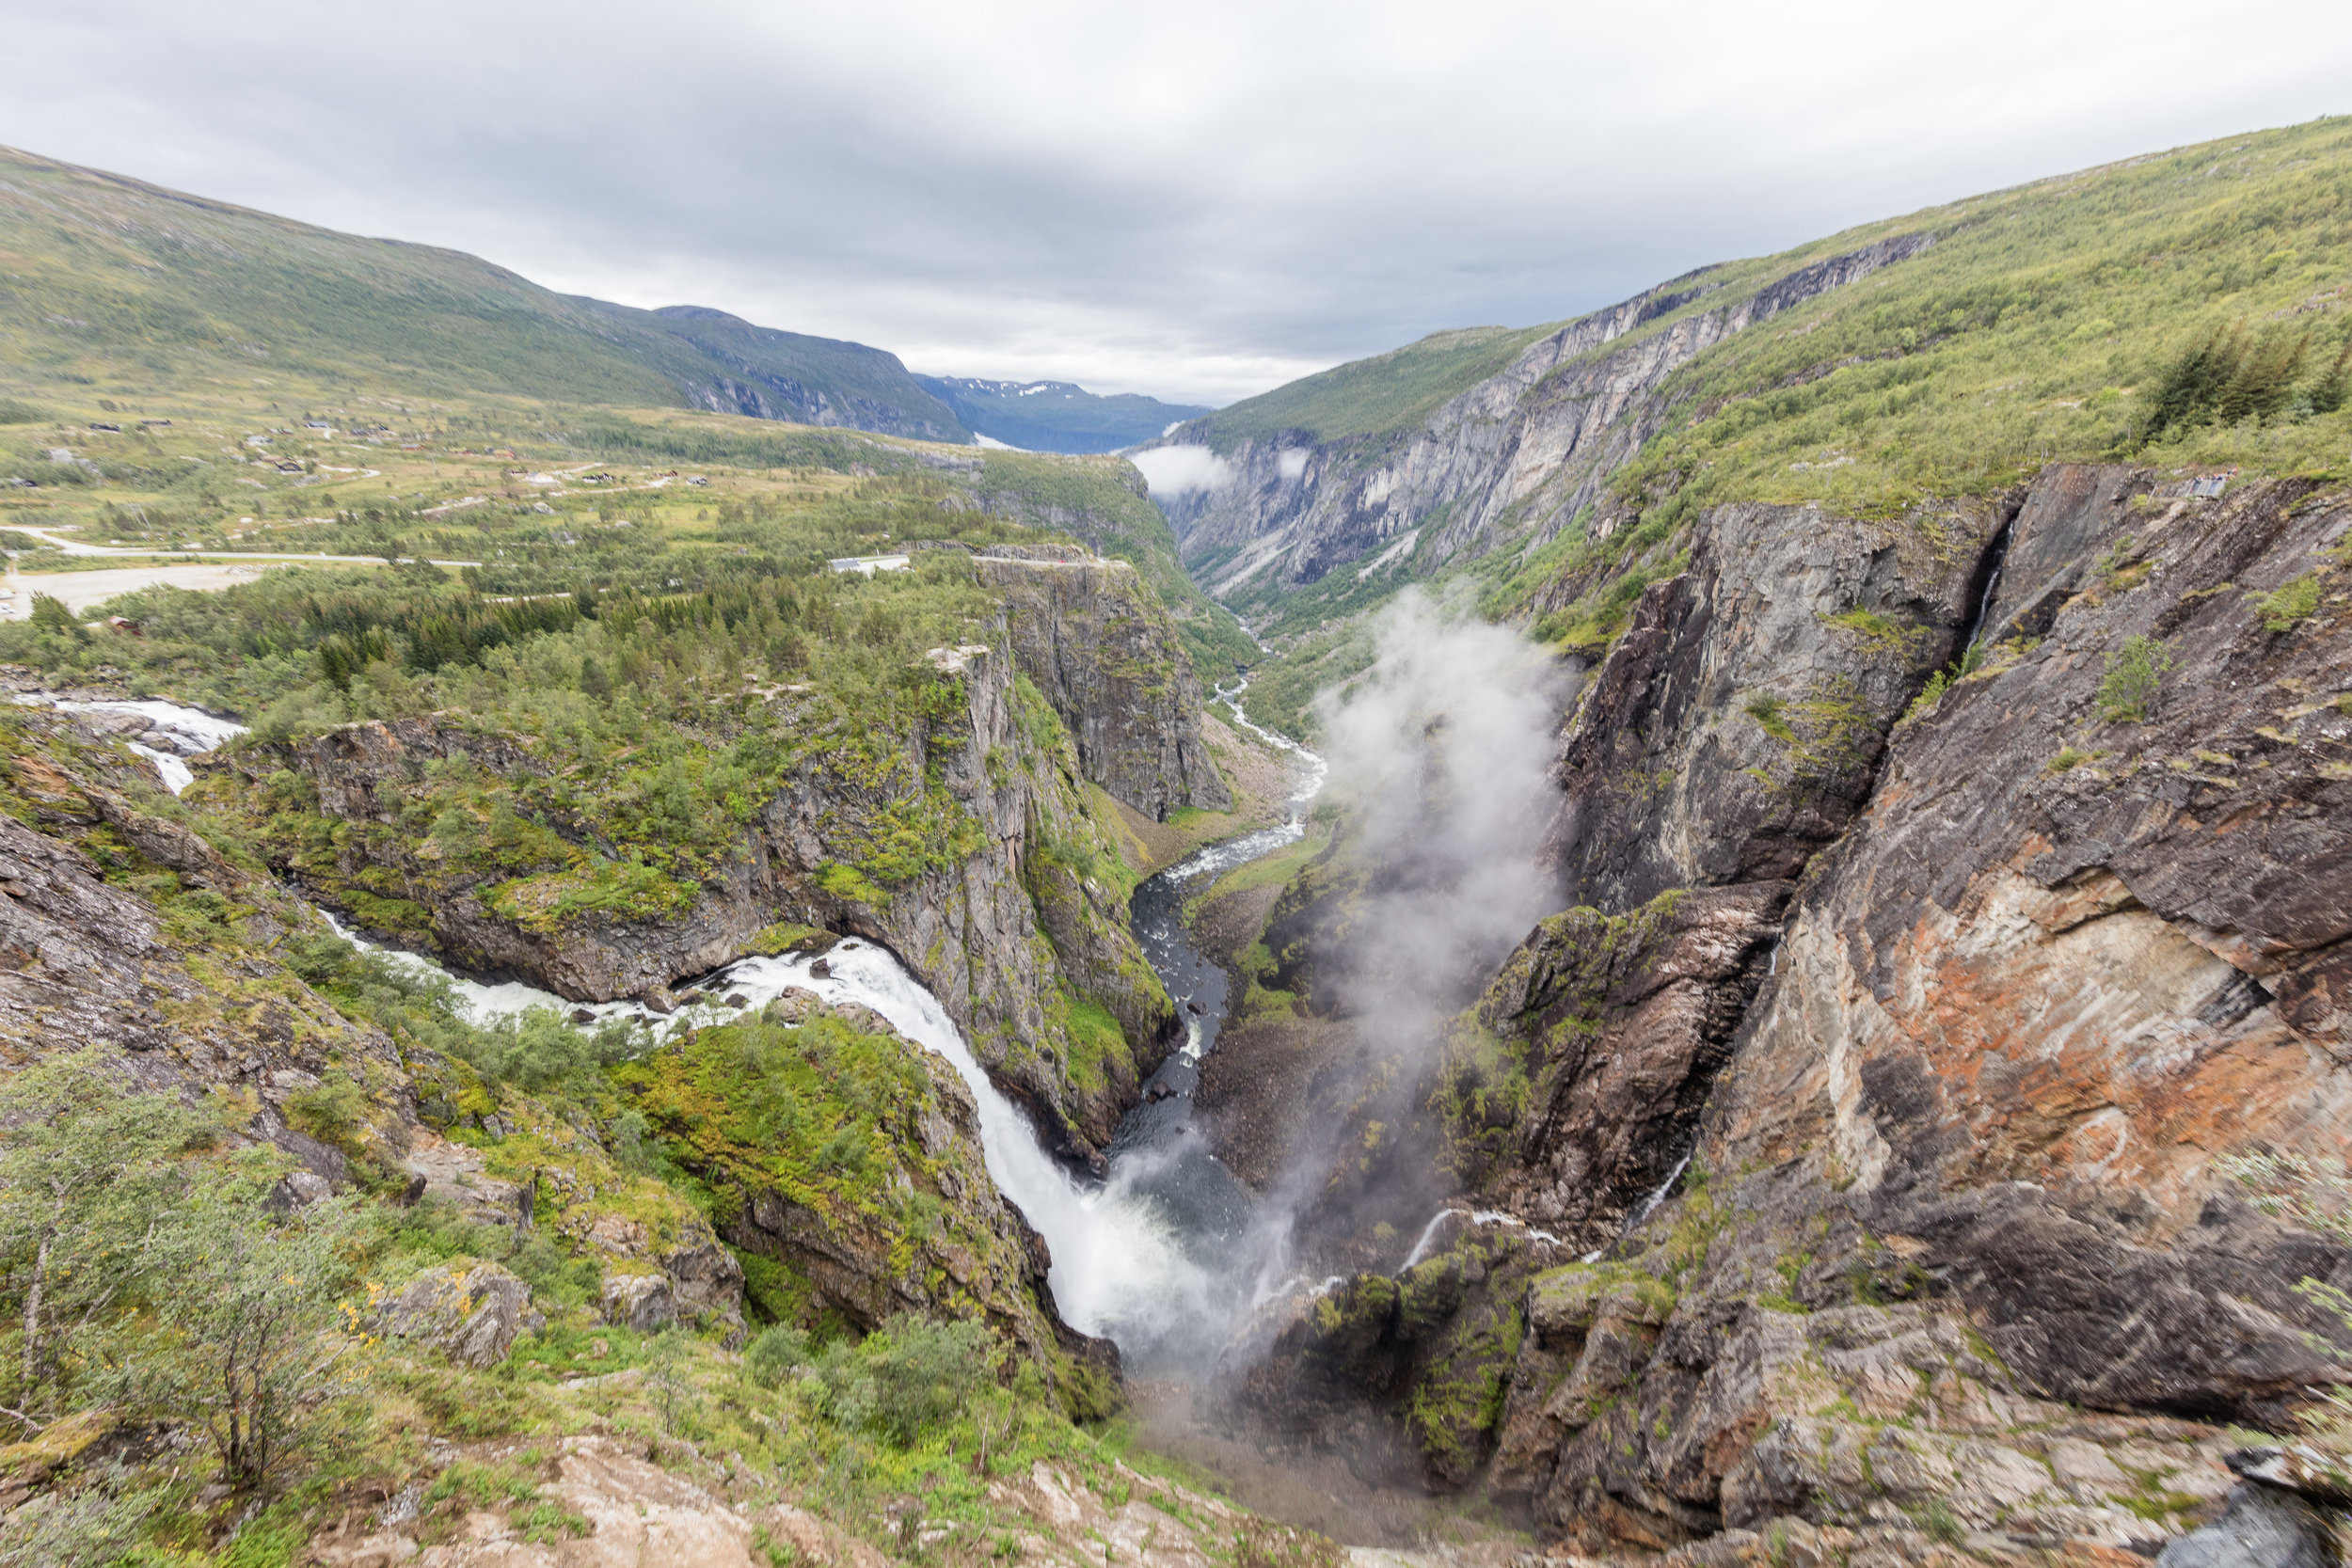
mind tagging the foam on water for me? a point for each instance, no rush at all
(193, 729)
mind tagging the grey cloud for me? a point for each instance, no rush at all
(1195, 202)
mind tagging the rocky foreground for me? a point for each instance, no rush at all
(1941, 1002)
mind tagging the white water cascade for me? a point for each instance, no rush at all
(1121, 1267)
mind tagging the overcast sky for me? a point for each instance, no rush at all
(1197, 200)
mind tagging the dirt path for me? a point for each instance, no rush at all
(81, 590)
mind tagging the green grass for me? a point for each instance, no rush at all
(2049, 321)
(2190, 309)
(111, 279)
(1387, 392)
(1275, 870)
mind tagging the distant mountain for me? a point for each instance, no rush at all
(1055, 416)
(104, 277)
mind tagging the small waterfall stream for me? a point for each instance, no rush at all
(1157, 1256)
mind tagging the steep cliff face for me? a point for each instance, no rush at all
(1105, 653)
(1739, 723)
(2077, 954)
(185, 992)
(127, 933)
(1953, 1032)
(1731, 732)
(1515, 456)
(1007, 916)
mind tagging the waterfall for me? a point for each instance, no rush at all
(1123, 1267)
(1428, 1235)
(1476, 1217)
(1648, 1206)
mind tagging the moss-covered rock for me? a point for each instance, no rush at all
(1569, 1092)
(843, 1162)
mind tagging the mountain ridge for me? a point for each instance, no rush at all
(1057, 416)
(103, 275)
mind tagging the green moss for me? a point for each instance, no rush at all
(1495, 1064)
(1096, 1045)
(847, 881)
(787, 937)
(615, 889)
(1574, 1293)
(2289, 603)
(819, 1111)
(1877, 632)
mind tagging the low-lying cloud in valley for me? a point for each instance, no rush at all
(1183, 469)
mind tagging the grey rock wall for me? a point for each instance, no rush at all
(1519, 454)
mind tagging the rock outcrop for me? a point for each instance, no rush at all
(125, 931)
(701, 1513)
(1956, 1003)
(2089, 939)
(845, 1164)
(185, 996)
(1010, 936)
(1103, 651)
(468, 1311)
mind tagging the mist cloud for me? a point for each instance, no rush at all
(1441, 757)
(1441, 753)
(1179, 470)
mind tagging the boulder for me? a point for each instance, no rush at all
(299, 1189)
(470, 1313)
(642, 1302)
(2265, 1529)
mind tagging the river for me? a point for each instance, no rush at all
(1163, 1256)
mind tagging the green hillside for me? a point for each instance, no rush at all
(2191, 310)
(2185, 308)
(1370, 397)
(866, 387)
(2045, 321)
(114, 283)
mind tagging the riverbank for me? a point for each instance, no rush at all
(1261, 778)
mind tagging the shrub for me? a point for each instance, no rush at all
(1766, 710)
(2289, 603)
(909, 1376)
(334, 1112)
(1929, 695)
(255, 1342)
(50, 615)
(779, 1351)
(538, 1050)
(86, 1170)
(2133, 680)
